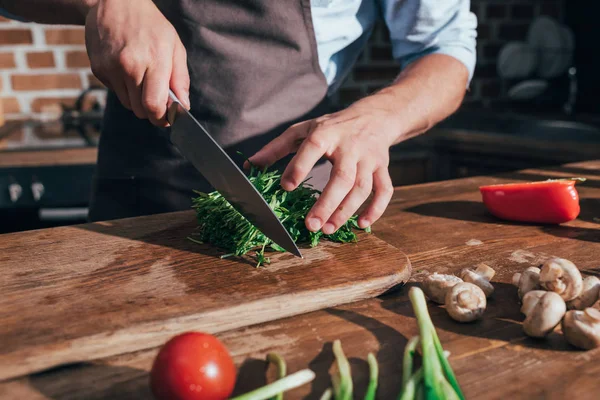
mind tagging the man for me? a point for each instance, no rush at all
(258, 73)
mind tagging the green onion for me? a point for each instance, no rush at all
(279, 386)
(276, 359)
(435, 363)
(410, 388)
(409, 355)
(373, 376)
(221, 225)
(326, 395)
(342, 384)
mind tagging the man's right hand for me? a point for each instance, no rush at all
(136, 52)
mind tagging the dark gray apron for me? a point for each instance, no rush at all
(254, 71)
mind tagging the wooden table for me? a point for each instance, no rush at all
(442, 227)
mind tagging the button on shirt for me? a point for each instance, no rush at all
(417, 28)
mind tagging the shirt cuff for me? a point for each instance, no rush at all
(466, 56)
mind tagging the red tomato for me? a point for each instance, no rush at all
(193, 366)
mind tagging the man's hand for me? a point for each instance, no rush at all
(357, 142)
(136, 52)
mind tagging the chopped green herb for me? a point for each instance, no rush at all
(221, 225)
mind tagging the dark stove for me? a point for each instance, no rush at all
(46, 170)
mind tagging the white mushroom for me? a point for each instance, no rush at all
(544, 310)
(527, 281)
(582, 328)
(561, 276)
(465, 302)
(588, 296)
(436, 286)
(481, 277)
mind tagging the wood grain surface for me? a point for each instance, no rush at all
(78, 293)
(48, 158)
(442, 227)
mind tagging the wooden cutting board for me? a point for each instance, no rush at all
(79, 293)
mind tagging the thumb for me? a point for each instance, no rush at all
(180, 77)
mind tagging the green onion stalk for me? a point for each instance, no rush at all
(279, 362)
(279, 386)
(438, 377)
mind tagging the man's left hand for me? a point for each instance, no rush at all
(357, 142)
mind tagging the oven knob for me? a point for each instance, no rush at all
(15, 191)
(37, 189)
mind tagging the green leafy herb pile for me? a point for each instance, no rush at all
(221, 225)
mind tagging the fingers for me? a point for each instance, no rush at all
(120, 89)
(358, 195)
(311, 150)
(180, 76)
(134, 91)
(343, 177)
(284, 144)
(382, 185)
(155, 93)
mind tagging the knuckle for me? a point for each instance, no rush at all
(387, 190)
(152, 105)
(363, 186)
(318, 141)
(129, 63)
(344, 175)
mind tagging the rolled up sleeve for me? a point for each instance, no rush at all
(421, 27)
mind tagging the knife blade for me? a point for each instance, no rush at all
(195, 143)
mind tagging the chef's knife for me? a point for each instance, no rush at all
(198, 147)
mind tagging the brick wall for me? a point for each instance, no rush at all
(500, 21)
(41, 66)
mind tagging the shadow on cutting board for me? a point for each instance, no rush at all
(92, 382)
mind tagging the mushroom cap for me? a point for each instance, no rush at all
(582, 328)
(544, 312)
(473, 277)
(436, 285)
(528, 280)
(530, 300)
(465, 302)
(588, 296)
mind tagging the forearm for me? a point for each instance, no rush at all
(72, 12)
(426, 92)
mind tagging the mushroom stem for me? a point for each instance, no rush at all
(561, 276)
(527, 281)
(479, 278)
(485, 271)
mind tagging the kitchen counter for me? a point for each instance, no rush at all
(442, 227)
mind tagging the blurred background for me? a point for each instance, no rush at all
(532, 102)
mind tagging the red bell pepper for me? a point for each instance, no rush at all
(549, 202)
